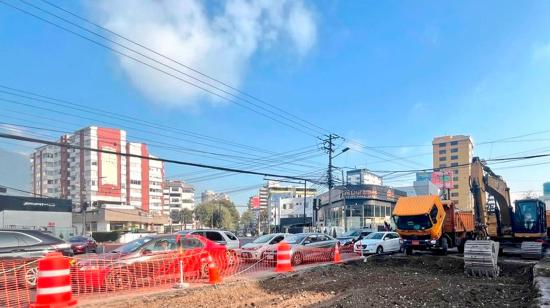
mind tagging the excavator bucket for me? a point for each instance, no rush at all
(480, 258)
(531, 250)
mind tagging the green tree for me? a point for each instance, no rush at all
(218, 214)
(186, 217)
(248, 218)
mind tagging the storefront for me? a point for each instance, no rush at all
(356, 206)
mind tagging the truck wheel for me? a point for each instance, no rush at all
(444, 246)
(461, 246)
(409, 251)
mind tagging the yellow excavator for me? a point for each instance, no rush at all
(522, 225)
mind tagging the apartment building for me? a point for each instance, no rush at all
(98, 177)
(453, 154)
(178, 195)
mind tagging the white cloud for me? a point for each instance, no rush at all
(218, 41)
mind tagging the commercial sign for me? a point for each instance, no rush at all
(443, 179)
(255, 202)
(20, 203)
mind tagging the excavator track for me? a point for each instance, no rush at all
(531, 250)
(481, 258)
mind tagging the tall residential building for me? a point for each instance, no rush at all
(362, 177)
(178, 195)
(98, 177)
(274, 191)
(453, 154)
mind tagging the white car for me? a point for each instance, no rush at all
(253, 251)
(378, 242)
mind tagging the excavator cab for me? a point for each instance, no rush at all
(529, 219)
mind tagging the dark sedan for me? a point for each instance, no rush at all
(20, 248)
(83, 244)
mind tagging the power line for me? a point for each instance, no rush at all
(80, 147)
(181, 64)
(153, 66)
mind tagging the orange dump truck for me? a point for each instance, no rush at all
(427, 223)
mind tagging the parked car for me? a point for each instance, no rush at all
(21, 247)
(306, 247)
(253, 251)
(219, 236)
(347, 239)
(148, 258)
(378, 242)
(82, 244)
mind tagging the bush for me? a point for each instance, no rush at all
(102, 237)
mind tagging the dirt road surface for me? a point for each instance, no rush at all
(422, 281)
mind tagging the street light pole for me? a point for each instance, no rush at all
(305, 200)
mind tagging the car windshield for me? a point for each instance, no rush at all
(375, 236)
(350, 233)
(133, 245)
(419, 222)
(295, 239)
(263, 239)
(77, 239)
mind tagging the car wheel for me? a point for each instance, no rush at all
(379, 250)
(297, 258)
(31, 275)
(119, 280)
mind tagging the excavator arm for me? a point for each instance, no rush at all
(484, 180)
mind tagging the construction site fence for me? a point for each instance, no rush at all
(95, 276)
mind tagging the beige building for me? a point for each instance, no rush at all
(453, 154)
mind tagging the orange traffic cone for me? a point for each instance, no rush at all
(213, 272)
(337, 258)
(53, 287)
(284, 264)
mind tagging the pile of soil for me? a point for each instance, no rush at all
(418, 281)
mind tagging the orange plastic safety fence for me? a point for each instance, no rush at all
(17, 282)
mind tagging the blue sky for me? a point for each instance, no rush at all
(383, 73)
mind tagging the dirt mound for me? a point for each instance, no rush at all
(424, 281)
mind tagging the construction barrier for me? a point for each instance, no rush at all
(53, 288)
(93, 276)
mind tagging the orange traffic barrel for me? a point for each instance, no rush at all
(53, 287)
(283, 258)
(213, 272)
(337, 257)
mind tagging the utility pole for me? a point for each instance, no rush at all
(329, 146)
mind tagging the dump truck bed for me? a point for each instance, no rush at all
(457, 221)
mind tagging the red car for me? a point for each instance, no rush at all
(82, 244)
(148, 260)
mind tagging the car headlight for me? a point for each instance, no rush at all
(433, 242)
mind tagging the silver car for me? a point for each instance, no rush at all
(253, 251)
(222, 237)
(306, 247)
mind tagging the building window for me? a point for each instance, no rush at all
(94, 163)
(174, 188)
(442, 151)
(454, 156)
(455, 194)
(442, 165)
(454, 164)
(454, 150)
(136, 182)
(443, 158)
(442, 144)
(93, 183)
(455, 178)
(455, 171)
(454, 142)
(455, 186)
